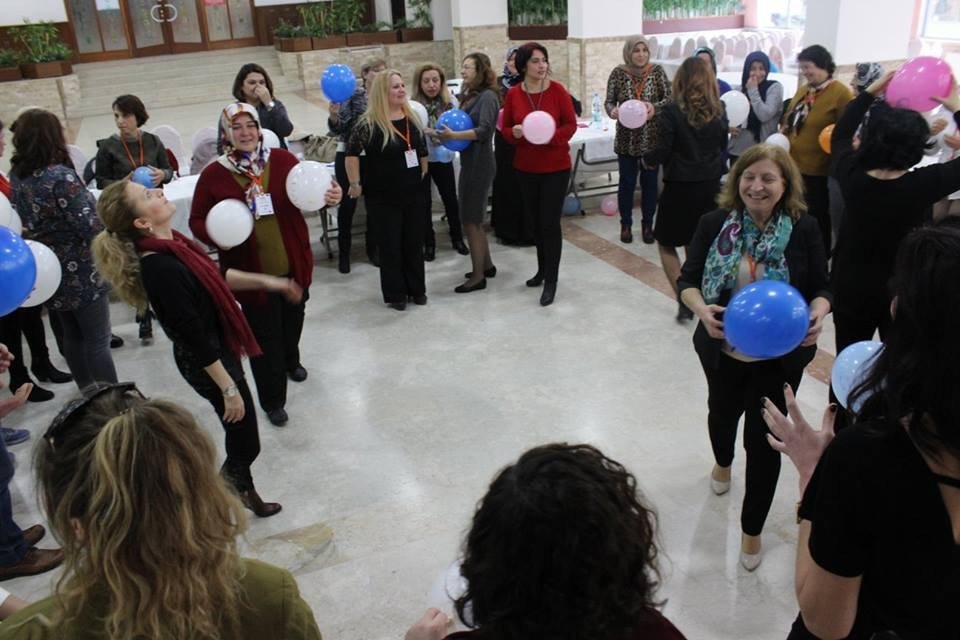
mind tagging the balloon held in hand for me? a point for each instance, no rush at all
(143, 176)
(766, 319)
(338, 82)
(455, 120)
(229, 223)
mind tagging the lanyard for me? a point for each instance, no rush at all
(127, 149)
(640, 85)
(753, 267)
(406, 138)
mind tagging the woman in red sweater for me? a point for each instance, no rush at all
(542, 169)
(279, 246)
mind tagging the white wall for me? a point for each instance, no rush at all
(442, 19)
(12, 12)
(477, 13)
(603, 18)
(838, 25)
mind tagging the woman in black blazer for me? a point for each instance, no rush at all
(761, 231)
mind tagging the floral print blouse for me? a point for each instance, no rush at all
(58, 211)
(622, 87)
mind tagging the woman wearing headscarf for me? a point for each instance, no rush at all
(766, 105)
(710, 57)
(507, 216)
(278, 246)
(817, 104)
(637, 79)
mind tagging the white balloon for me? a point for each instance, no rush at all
(229, 223)
(779, 140)
(306, 185)
(6, 211)
(15, 223)
(270, 139)
(48, 274)
(420, 111)
(738, 107)
(449, 586)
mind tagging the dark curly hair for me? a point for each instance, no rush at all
(525, 52)
(561, 547)
(893, 138)
(38, 142)
(819, 56)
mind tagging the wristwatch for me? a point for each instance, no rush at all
(271, 104)
(231, 391)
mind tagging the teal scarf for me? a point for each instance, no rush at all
(740, 235)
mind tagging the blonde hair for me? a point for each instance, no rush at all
(792, 203)
(695, 92)
(148, 526)
(113, 249)
(378, 107)
(418, 93)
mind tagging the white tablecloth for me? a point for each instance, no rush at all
(597, 144)
(179, 192)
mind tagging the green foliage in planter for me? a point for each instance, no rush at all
(346, 16)
(665, 9)
(8, 58)
(287, 30)
(423, 18)
(318, 19)
(536, 12)
(39, 42)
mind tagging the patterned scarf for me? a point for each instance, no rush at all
(866, 74)
(249, 164)
(508, 80)
(741, 235)
(753, 122)
(801, 110)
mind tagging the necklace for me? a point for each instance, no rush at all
(539, 96)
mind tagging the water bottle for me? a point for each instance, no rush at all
(596, 114)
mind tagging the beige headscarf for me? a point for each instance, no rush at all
(628, 47)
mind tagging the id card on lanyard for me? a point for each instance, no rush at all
(410, 155)
(262, 203)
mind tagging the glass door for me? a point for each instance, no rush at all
(165, 26)
(229, 23)
(99, 28)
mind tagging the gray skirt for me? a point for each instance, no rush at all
(477, 169)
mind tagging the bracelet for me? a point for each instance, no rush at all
(231, 391)
(354, 184)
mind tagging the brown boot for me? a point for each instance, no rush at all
(626, 234)
(34, 534)
(253, 501)
(34, 561)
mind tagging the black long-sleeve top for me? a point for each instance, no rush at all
(350, 111)
(688, 154)
(879, 214)
(184, 308)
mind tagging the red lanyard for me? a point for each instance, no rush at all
(127, 149)
(406, 138)
(753, 267)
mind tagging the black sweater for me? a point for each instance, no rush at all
(385, 173)
(879, 214)
(688, 154)
(806, 261)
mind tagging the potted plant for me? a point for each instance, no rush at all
(377, 33)
(320, 23)
(289, 37)
(42, 55)
(420, 28)
(348, 19)
(537, 19)
(9, 67)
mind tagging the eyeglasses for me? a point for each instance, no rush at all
(76, 406)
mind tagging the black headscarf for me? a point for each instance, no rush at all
(753, 122)
(508, 81)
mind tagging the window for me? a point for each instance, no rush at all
(941, 19)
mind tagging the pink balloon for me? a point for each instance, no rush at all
(632, 114)
(539, 127)
(918, 79)
(500, 120)
(609, 206)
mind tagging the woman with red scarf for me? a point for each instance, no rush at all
(279, 246)
(147, 262)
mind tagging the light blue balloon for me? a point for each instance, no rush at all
(18, 271)
(571, 205)
(143, 176)
(766, 319)
(851, 368)
(338, 82)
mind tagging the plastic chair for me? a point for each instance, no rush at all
(77, 157)
(204, 151)
(171, 140)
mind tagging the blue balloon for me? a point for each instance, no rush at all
(455, 120)
(766, 319)
(143, 176)
(571, 205)
(338, 82)
(18, 271)
(851, 368)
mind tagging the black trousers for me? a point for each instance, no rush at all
(543, 195)
(242, 439)
(277, 325)
(817, 194)
(400, 223)
(25, 322)
(345, 211)
(735, 389)
(442, 175)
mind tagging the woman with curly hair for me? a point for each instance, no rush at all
(149, 532)
(561, 547)
(690, 145)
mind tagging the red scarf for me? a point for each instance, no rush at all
(236, 331)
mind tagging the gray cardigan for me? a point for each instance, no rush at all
(768, 113)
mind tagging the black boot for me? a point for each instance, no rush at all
(45, 371)
(549, 293)
(146, 327)
(37, 394)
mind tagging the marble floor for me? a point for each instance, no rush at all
(406, 417)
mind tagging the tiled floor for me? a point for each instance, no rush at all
(406, 417)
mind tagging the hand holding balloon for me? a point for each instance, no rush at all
(518, 131)
(143, 176)
(952, 101)
(710, 317)
(794, 435)
(333, 195)
(819, 309)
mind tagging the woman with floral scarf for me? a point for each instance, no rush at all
(279, 246)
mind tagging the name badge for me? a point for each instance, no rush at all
(412, 159)
(264, 205)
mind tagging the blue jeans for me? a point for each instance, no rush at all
(629, 167)
(12, 545)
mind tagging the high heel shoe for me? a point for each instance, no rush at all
(536, 280)
(751, 552)
(720, 480)
(46, 372)
(487, 273)
(461, 248)
(467, 288)
(252, 500)
(549, 293)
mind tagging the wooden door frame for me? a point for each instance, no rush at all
(188, 47)
(232, 43)
(154, 50)
(101, 56)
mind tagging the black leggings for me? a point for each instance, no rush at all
(735, 389)
(345, 211)
(817, 194)
(25, 322)
(442, 175)
(543, 195)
